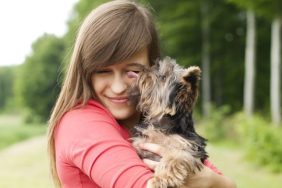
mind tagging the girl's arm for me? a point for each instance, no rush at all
(91, 144)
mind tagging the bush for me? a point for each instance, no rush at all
(37, 82)
(215, 126)
(262, 140)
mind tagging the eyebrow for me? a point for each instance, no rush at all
(136, 65)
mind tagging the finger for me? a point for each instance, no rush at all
(151, 164)
(155, 148)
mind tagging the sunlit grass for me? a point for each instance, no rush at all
(25, 165)
(13, 130)
(231, 161)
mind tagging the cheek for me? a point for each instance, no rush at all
(97, 84)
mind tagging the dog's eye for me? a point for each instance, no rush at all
(162, 77)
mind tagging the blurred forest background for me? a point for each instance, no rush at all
(237, 44)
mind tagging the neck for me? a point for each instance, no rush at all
(130, 122)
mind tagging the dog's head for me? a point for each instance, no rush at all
(167, 89)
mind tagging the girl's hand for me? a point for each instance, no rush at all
(208, 179)
(154, 148)
(201, 179)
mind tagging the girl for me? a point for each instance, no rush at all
(88, 129)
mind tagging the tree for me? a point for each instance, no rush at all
(37, 86)
(250, 55)
(80, 10)
(275, 71)
(182, 34)
(206, 88)
(271, 10)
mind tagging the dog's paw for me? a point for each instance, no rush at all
(158, 182)
(173, 171)
(169, 175)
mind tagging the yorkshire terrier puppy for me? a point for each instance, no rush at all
(166, 94)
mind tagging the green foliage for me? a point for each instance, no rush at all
(37, 83)
(268, 9)
(181, 38)
(176, 27)
(12, 134)
(13, 130)
(180, 32)
(215, 127)
(262, 140)
(262, 85)
(7, 75)
(80, 11)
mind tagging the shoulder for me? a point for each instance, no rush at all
(90, 112)
(93, 115)
(85, 126)
(93, 120)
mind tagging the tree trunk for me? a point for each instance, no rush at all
(206, 92)
(250, 53)
(275, 71)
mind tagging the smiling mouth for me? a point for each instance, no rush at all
(118, 99)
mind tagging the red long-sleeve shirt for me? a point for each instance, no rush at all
(92, 150)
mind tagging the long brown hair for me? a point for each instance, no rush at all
(111, 33)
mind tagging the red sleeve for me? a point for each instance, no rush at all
(212, 167)
(94, 144)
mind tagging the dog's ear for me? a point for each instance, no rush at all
(192, 75)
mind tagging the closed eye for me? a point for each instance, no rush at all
(136, 71)
(102, 71)
(135, 67)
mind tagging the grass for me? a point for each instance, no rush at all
(231, 161)
(13, 130)
(25, 165)
(23, 157)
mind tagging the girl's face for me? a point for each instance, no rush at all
(111, 85)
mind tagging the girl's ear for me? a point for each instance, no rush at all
(192, 75)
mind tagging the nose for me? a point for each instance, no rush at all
(119, 84)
